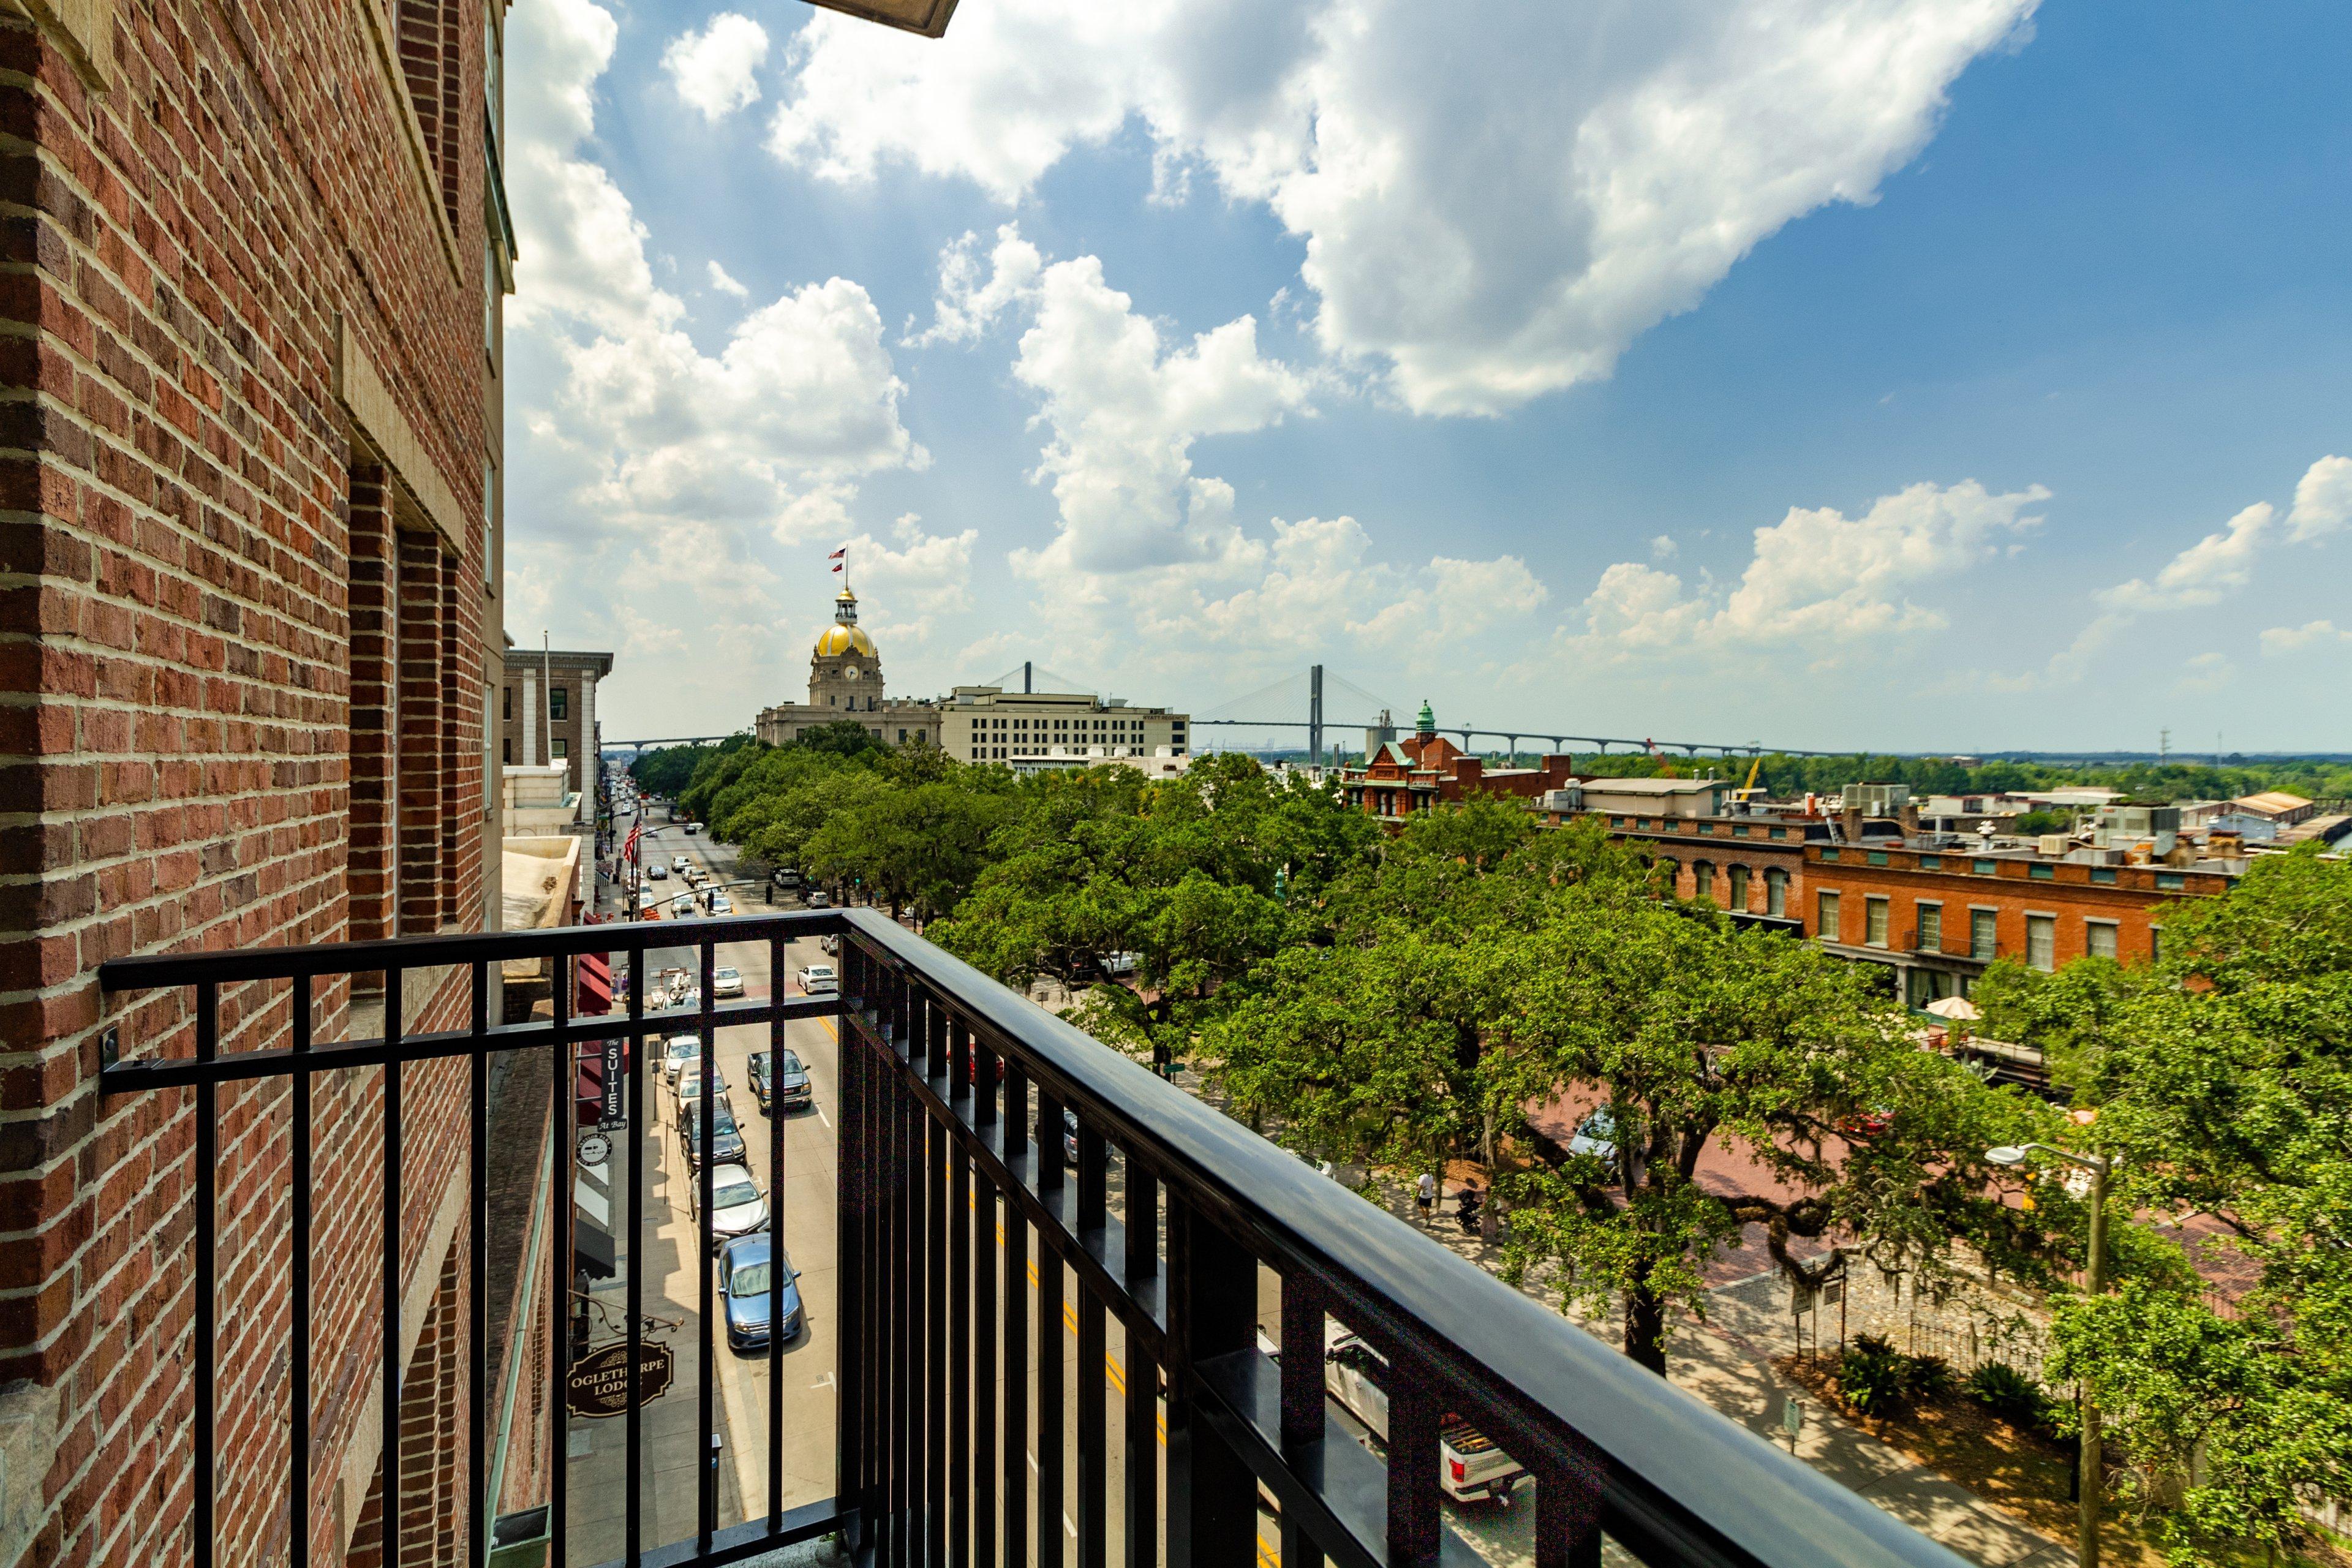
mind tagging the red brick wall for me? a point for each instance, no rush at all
(2133, 902)
(192, 619)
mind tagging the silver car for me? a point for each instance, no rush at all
(736, 1206)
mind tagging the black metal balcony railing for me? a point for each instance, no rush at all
(931, 1465)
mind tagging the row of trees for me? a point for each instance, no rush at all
(1395, 1003)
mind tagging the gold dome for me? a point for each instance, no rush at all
(839, 639)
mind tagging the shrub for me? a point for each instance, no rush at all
(2012, 1395)
(1928, 1378)
(1872, 1375)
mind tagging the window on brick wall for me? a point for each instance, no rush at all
(1984, 934)
(1825, 923)
(2041, 941)
(2099, 938)
(1931, 928)
(558, 705)
(1873, 922)
(1703, 879)
(505, 751)
(506, 705)
(1739, 887)
(1776, 894)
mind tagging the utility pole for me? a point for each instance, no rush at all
(2163, 746)
(1315, 714)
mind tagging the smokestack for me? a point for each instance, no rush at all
(1027, 687)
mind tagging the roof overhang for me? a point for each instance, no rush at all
(928, 17)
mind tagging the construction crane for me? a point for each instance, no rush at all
(1665, 764)
(1748, 791)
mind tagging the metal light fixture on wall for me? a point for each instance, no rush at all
(929, 18)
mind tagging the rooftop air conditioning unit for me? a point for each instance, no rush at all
(2054, 844)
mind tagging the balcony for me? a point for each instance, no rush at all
(1208, 1259)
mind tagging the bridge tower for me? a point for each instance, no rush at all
(1315, 714)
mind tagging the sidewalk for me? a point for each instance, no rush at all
(1723, 1363)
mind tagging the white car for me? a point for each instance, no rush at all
(679, 862)
(680, 1050)
(818, 980)
(727, 982)
(720, 904)
(657, 872)
(736, 1206)
(1470, 1469)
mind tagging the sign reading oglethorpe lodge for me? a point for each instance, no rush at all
(598, 1383)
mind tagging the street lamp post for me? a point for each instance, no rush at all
(2087, 1520)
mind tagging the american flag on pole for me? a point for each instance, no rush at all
(629, 849)
(836, 557)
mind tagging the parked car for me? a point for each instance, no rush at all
(690, 1086)
(736, 1206)
(727, 982)
(1069, 1136)
(784, 1087)
(657, 872)
(680, 1050)
(747, 1266)
(829, 943)
(818, 979)
(720, 904)
(1596, 1135)
(785, 878)
(726, 1138)
(818, 899)
(1470, 1469)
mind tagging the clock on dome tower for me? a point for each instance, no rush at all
(845, 672)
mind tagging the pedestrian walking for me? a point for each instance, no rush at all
(1425, 1193)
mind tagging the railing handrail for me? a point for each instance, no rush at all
(1662, 1444)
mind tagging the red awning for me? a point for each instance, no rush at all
(596, 984)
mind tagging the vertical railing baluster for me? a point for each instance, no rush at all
(706, 1117)
(565, 1111)
(778, 1254)
(298, 1346)
(1141, 1511)
(1053, 1485)
(1302, 1396)
(1212, 1310)
(477, 1270)
(640, 1044)
(1414, 1410)
(388, 1372)
(1568, 1513)
(937, 1291)
(989, 1259)
(207, 1157)
(852, 1431)
(962, 1286)
(1093, 1483)
(907, 1209)
(1016, 1349)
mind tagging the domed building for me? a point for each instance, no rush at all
(846, 684)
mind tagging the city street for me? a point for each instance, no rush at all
(805, 1220)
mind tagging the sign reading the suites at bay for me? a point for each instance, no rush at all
(598, 1383)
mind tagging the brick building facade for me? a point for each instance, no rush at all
(252, 382)
(1425, 770)
(547, 712)
(1937, 918)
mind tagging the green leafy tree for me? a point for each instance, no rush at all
(1693, 1036)
(2226, 1088)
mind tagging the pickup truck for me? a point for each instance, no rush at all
(1470, 1469)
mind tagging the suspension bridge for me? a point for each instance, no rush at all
(1313, 689)
(1300, 708)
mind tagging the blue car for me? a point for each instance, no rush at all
(743, 1275)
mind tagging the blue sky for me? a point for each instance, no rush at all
(1945, 373)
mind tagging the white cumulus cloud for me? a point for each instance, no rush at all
(725, 282)
(1493, 201)
(2279, 641)
(1817, 579)
(661, 473)
(717, 70)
